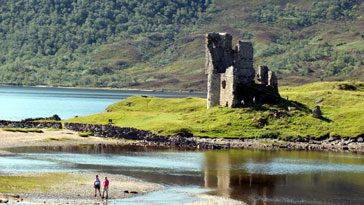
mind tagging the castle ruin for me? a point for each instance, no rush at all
(231, 74)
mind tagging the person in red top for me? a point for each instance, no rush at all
(106, 188)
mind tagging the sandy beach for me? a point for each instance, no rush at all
(78, 188)
(48, 138)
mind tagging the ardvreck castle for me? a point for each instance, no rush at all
(231, 74)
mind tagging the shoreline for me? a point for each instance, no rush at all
(109, 89)
(147, 138)
(81, 192)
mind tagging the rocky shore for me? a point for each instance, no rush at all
(30, 124)
(146, 138)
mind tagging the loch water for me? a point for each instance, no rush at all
(17, 103)
(252, 176)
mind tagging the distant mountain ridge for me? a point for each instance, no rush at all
(160, 44)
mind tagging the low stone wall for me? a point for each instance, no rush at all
(146, 138)
(19, 124)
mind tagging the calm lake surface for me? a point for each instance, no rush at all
(17, 103)
(272, 177)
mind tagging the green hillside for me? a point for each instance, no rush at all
(341, 103)
(160, 44)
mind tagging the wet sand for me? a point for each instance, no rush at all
(60, 138)
(78, 189)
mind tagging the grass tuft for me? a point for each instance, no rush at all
(85, 134)
(25, 130)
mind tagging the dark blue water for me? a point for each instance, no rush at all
(17, 103)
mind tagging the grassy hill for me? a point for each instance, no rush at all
(161, 45)
(341, 102)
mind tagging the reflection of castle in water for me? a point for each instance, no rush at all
(225, 172)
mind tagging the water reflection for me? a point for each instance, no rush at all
(265, 177)
(256, 177)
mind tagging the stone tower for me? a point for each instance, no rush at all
(231, 74)
(226, 68)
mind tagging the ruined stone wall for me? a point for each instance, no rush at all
(219, 57)
(243, 62)
(228, 87)
(262, 75)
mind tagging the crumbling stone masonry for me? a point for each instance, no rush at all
(231, 74)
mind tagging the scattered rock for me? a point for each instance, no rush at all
(360, 139)
(4, 201)
(129, 104)
(346, 87)
(291, 108)
(134, 192)
(320, 100)
(126, 192)
(316, 112)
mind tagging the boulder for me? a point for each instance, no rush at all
(316, 112)
(290, 108)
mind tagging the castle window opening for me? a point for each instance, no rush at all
(223, 84)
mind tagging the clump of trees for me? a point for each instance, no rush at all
(292, 17)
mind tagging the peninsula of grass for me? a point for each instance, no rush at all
(342, 104)
(25, 130)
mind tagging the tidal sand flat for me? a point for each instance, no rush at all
(64, 186)
(49, 181)
(74, 187)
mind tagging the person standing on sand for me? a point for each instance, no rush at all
(106, 188)
(97, 185)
